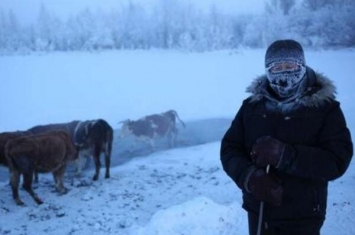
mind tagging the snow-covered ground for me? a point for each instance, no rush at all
(170, 192)
(178, 191)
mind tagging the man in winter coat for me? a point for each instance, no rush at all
(287, 141)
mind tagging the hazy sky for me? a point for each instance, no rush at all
(27, 10)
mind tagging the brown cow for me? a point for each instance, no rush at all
(43, 153)
(153, 126)
(91, 138)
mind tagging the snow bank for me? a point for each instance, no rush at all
(200, 215)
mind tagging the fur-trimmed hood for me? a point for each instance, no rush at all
(320, 90)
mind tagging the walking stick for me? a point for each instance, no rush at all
(261, 209)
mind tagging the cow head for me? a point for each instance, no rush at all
(82, 133)
(126, 129)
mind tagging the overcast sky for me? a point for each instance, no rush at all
(27, 10)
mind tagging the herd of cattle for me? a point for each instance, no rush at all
(49, 148)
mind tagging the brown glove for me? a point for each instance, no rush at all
(265, 187)
(267, 151)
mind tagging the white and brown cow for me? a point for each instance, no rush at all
(91, 138)
(43, 153)
(153, 126)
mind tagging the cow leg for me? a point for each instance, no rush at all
(35, 177)
(172, 136)
(133, 145)
(14, 182)
(107, 162)
(171, 139)
(58, 179)
(152, 145)
(27, 185)
(96, 157)
(80, 162)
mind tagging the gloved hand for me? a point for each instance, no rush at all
(265, 187)
(267, 151)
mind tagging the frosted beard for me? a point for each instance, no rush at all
(286, 83)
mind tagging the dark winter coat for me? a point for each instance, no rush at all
(313, 125)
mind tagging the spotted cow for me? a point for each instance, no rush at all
(153, 126)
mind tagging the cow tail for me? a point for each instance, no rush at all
(178, 118)
(109, 140)
(10, 156)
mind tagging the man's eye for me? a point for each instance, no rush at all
(276, 68)
(291, 67)
(286, 67)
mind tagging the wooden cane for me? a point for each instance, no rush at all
(261, 209)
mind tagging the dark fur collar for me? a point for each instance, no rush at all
(320, 90)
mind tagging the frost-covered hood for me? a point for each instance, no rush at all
(320, 89)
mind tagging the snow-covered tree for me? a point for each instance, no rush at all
(175, 24)
(280, 6)
(44, 40)
(316, 5)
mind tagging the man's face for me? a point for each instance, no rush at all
(284, 77)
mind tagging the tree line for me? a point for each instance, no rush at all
(171, 24)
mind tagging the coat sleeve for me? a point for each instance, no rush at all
(332, 155)
(234, 155)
